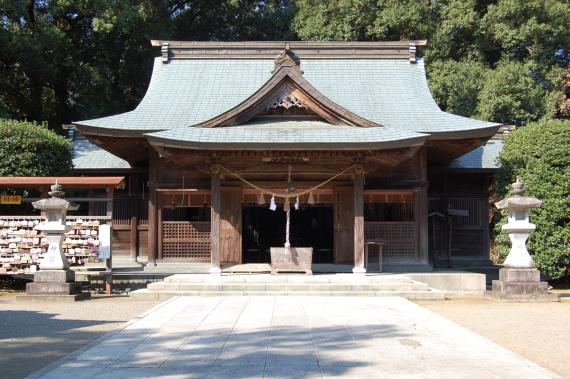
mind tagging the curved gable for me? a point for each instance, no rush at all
(288, 88)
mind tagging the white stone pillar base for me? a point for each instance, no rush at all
(215, 270)
(358, 270)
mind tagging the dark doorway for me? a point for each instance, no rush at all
(310, 227)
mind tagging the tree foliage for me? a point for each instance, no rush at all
(31, 149)
(515, 49)
(510, 95)
(63, 60)
(456, 85)
(539, 154)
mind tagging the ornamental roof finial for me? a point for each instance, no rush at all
(56, 190)
(287, 58)
(518, 187)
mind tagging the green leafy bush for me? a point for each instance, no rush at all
(539, 154)
(31, 149)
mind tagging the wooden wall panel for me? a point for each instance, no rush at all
(230, 225)
(121, 243)
(344, 225)
(468, 244)
(143, 249)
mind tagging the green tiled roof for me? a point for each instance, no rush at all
(289, 135)
(183, 93)
(87, 156)
(485, 157)
(391, 92)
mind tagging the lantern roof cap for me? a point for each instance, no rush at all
(518, 201)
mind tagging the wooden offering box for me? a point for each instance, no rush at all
(299, 259)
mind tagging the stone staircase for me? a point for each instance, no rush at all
(178, 268)
(288, 285)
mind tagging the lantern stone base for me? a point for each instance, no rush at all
(521, 284)
(54, 285)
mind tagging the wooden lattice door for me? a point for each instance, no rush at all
(186, 240)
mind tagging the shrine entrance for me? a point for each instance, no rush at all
(311, 226)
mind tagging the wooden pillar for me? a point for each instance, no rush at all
(152, 207)
(485, 225)
(359, 221)
(215, 221)
(422, 207)
(134, 228)
(230, 225)
(159, 227)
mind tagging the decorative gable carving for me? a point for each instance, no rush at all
(286, 104)
(287, 101)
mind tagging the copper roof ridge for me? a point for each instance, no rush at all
(286, 44)
(405, 49)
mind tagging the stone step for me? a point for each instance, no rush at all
(178, 268)
(283, 278)
(145, 294)
(287, 287)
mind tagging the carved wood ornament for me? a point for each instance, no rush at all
(286, 102)
(287, 58)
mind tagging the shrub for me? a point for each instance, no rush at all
(539, 154)
(31, 149)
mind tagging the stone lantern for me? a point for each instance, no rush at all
(54, 279)
(519, 279)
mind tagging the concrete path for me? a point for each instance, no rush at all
(294, 337)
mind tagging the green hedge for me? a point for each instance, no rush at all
(31, 149)
(539, 153)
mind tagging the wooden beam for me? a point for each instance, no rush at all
(359, 221)
(215, 221)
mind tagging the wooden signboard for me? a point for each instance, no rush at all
(10, 199)
(105, 242)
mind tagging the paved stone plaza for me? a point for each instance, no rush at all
(293, 337)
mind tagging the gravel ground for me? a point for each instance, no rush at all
(539, 332)
(33, 335)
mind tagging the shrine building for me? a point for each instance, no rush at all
(344, 134)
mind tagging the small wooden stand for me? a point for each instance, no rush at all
(380, 247)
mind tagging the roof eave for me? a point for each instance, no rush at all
(463, 170)
(112, 132)
(485, 132)
(159, 142)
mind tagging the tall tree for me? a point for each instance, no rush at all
(68, 59)
(63, 60)
(233, 20)
(474, 48)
